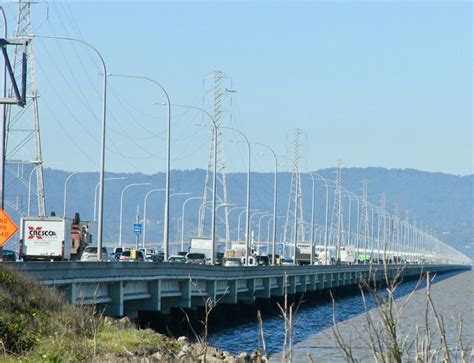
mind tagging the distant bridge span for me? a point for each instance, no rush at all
(126, 288)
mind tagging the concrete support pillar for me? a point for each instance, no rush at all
(249, 296)
(154, 302)
(211, 289)
(302, 286)
(115, 307)
(231, 297)
(292, 285)
(185, 287)
(312, 285)
(73, 293)
(280, 289)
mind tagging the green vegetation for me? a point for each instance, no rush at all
(37, 326)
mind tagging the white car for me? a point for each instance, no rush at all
(90, 254)
(232, 262)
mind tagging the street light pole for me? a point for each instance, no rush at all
(95, 194)
(144, 212)
(121, 207)
(214, 179)
(238, 223)
(182, 218)
(247, 226)
(275, 200)
(102, 149)
(229, 244)
(29, 189)
(259, 225)
(65, 188)
(251, 217)
(166, 225)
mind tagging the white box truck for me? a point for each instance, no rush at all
(201, 245)
(347, 254)
(45, 238)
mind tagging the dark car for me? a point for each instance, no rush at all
(196, 258)
(158, 257)
(10, 256)
(219, 258)
(263, 260)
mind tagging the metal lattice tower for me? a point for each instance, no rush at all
(294, 214)
(337, 224)
(22, 134)
(384, 223)
(219, 98)
(365, 216)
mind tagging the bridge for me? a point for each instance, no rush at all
(126, 288)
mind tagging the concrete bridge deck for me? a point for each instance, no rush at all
(126, 288)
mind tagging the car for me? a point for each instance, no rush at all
(182, 253)
(157, 257)
(90, 254)
(287, 262)
(219, 258)
(196, 258)
(232, 262)
(177, 259)
(10, 256)
(148, 252)
(277, 259)
(132, 256)
(120, 249)
(263, 261)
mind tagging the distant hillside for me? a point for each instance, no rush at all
(442, 202)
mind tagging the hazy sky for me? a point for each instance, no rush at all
(372, 83)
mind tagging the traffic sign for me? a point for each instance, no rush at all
(137, 228)
(7, 228)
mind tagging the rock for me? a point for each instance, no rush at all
(158, 356)
(182, 339)
(181, 355)
(187, 348)
(125, 322)
(212, 359)
(242, 357)
(109, 320)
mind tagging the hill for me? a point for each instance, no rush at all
(440, 202)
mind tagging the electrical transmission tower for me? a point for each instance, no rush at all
(217, 99)
(365, 216)
(22, 130)
(337, 225)
(294, 215)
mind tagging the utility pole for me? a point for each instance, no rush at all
(365, 216)
(337, 223)
(22, 128)
(217, 98)
(294, 214)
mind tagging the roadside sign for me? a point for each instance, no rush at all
(137, 228)
(7, 228)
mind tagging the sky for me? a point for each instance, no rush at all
(382, 83)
